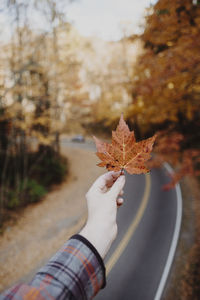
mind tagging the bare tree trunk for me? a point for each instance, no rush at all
(57, 109)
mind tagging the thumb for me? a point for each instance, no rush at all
(117, 186)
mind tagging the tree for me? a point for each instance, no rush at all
(30, 89)
(166, 87)
(109, 83)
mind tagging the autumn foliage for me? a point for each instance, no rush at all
(169, 147)
(124, 152)
(167, 78)
(29, 110)
(166, 85)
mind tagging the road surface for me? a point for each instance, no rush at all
(146, 226)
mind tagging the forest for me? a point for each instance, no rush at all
(53, 82)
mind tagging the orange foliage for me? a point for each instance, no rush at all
(167, 85)
(166, 88)
(190, 158)
(168, 148)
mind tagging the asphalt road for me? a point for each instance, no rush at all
(137, 271)
(146, 224)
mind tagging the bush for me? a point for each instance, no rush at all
(28, 192)
(13, 200)
(42, 168)
(52, 168)
(34, 191)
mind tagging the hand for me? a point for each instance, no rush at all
(102, 200)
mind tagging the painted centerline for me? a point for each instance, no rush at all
(124, 242)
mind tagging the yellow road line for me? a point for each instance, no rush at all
(124, 242)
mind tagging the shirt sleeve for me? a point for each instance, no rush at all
(76, 271)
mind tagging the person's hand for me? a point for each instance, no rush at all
(103, 198)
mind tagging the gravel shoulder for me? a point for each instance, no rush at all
(42, 228)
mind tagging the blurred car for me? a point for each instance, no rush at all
(78, 139)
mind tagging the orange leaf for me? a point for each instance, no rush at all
(124, 152)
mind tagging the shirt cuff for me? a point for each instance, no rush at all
(96, 253)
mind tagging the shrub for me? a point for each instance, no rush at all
(27, 181)
(34, 191)
(28, 192)
(52, 168)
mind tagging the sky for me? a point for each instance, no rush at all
(108, 19)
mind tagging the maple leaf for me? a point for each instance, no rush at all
(124, 152)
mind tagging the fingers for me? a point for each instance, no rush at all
(117, 186)
(121, 193)
(120, 201)
(112, 178)
(106, 180)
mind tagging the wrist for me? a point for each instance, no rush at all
(101, 238)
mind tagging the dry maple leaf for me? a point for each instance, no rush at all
(124, 152)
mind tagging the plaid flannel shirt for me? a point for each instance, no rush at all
(76, 271)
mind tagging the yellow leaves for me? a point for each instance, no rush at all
(16, 108)
(170, 85)
(43, 120)
(170, 44)
(20, 124)
(147, 73)
(196, 88)
(168, 80)
(140, 103)
(45, 140)
(56, 125)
